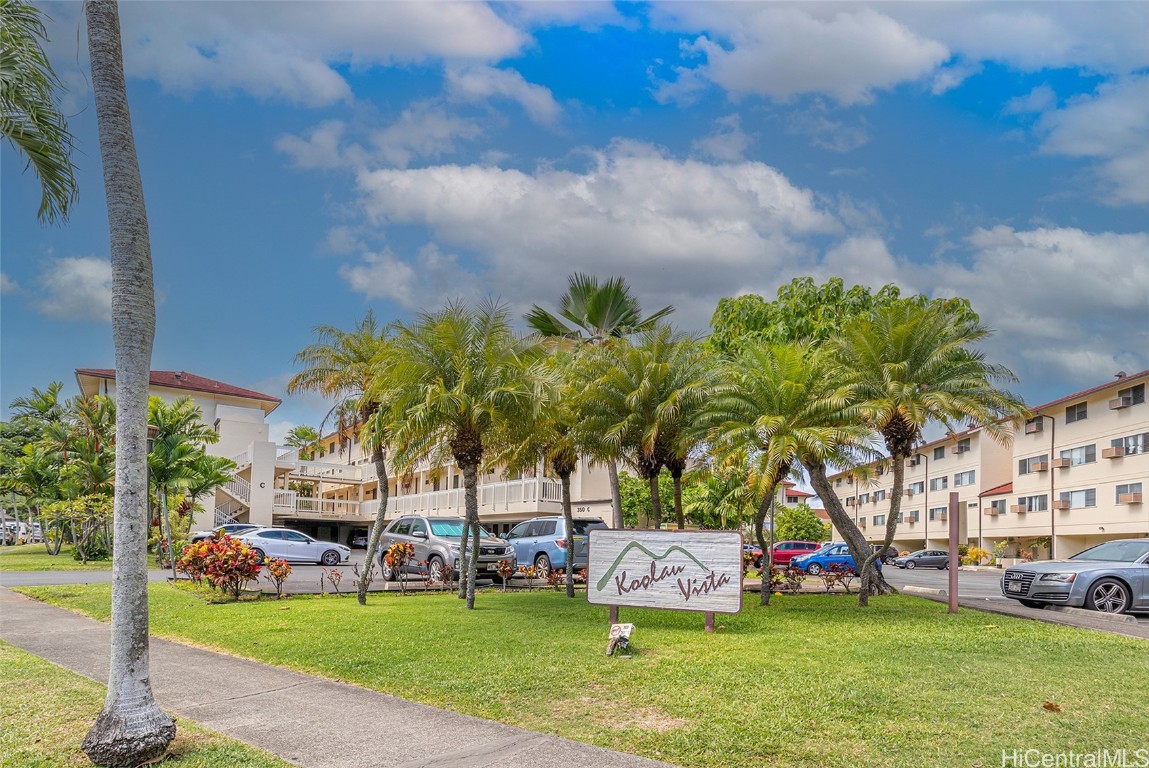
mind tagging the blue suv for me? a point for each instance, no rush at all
(541, 542)
(831, 554)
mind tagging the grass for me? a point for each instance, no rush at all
(45, 712)
(33, 557)
(811, 680)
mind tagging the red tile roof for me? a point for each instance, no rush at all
(1000, 490)
(185, 380)
(1123, 381)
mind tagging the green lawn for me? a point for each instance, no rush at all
(45, 712)
(33, 557)
(811, 680)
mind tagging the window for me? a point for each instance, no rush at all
(547, 527)
(862, 499)
(402, 527)
(298, 538)
(914, 516)
(1079, 499)
(849, 501)
(940, 452)
(938, 513)
(999, 506)
(879, 519)
(436, 485)
(518, 531)
(276, 535)
(418, 527)
(1135, 395)
(1026, 466)
(1033, 503)
(838, 483)
(1077, 412)
(791, 499)
(1133, 444)
(879, 495)
(1086, 454)
(964, 478)
(939, 483)
(962, 446)
(455, 481)
(1126, 489)
(918, 487)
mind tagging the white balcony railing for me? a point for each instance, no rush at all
(327, 507)
(242, 459)
(493, 497)
(286, 455)
(239, 488)
(319, 470)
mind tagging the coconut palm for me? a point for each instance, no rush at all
(344, 366)
(305, 439)
(458, 379)
(911, 363)
(30, 116)
(777, 405)
(597, 313)
(131, 729)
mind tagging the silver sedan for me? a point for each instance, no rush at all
(294, 547)
(1112, 577)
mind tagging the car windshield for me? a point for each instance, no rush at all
(583, 527)
(454, 528)
(1114, 552)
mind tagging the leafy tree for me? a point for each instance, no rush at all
(458, 379)
(636, 498)
(722, 497)
(131, 729)
(910, 363)
(348, 367)
(800, 523)
(597, 313)
(306, 439)
(30, 116)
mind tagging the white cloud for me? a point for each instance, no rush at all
(322, 148)
(481, 83)
(585, 14)
(1036, 101)
(780, 51)
(425, 283)
(863, 260)
(1064, 301)
(7, 285)
(816, 125)
(76, 288)
(692, 231)
(726, 142)
(1112, 127)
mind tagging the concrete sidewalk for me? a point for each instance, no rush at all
(307, 720)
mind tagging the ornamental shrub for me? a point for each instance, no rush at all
(226, 563)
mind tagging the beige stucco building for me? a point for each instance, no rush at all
(1073, 476)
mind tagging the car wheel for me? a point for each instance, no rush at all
(1031, 604)
(330, 557)
(436, 571)
(1108, 596)
(814, 569)
(542, 567)
(944, 566)
(388, 572)
(911, 565)
(259, 553)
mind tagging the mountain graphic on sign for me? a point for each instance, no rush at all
(635, 545)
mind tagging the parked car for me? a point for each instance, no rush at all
(838, 554)
(785, 551)
(358, 539)
(924, 558)
(542, 541)
(293, 546)
(890, 555)
(436, 542)
(231, 529)
(755, 553)
(1112, 577)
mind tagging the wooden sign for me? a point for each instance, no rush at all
(679, 570)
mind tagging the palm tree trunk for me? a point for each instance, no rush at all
(464, 551)
(767, 561)
(678, 500)
(471, 501)
(871, 568)
(860, 549)
(568, 517)
(379, 459)
(163, 494)
(131, 729)
(615, 494)
(655, 502)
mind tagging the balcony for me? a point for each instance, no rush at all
(290, 504)
(493, 498)
(1018, 509)
(1118, 403)
(1113, 453)
(1129, 498)
(1061, 503)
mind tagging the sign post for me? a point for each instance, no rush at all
(674, 570)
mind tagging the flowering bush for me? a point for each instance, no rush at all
(397, 557)
(335, 576)
(974, 556)
(277, 572)
(505, 571)
(226, 563)
(836, 573)
(788, 579)
(529, 573)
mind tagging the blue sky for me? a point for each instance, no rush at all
(304, 162)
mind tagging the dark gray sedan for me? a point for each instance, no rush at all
(1112, 577)
(924, 558)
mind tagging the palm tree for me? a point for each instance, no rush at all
(345, 366)
(597, 313)
(30, 117)
(913, 362)
(778, 405)
(306, 439)
(131, 729)
(459, 378)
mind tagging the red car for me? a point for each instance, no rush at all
(785, 550)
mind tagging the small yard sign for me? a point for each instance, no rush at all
(680, 570)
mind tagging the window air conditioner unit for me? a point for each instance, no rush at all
(1113, 453)
(960, 448)
(1018, 509)
(1061, 504)
(1059, 464)
(1033, 427)
(1129, 498)
(1120, 402)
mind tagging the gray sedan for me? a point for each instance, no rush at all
(924, 558)
(1112, 577)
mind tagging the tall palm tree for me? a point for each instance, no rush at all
(345, 366)
(306, 439)
(30, 116)
(131, 729)
(459, 378)
(913, 362)
(597, 313)
(777, 405)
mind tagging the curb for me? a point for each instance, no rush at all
(916, 590)
(1117, 618)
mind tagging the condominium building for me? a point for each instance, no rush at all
(1072, 477)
